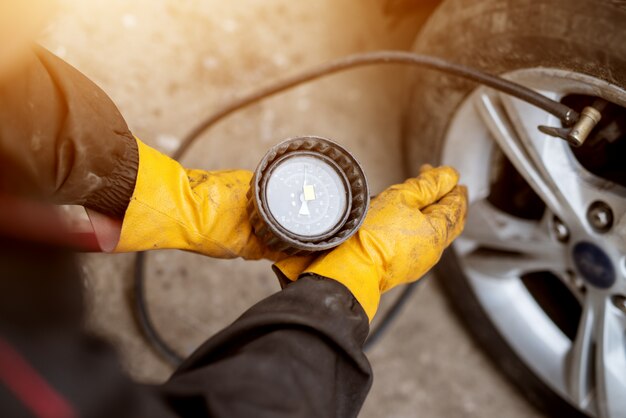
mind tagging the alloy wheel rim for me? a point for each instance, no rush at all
(590, 369)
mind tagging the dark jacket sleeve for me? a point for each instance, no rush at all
(297, 353)
(63, 139)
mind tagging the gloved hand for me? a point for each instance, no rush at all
(404, 234)
(194, 210)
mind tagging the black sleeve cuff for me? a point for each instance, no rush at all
(296, 353)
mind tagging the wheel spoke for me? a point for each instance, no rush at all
(596, 363)
(504, 265)
(580, 363)
(521, 156)
(489, 227)
(611, 362)
(517, 138)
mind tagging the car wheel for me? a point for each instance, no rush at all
(539, 275)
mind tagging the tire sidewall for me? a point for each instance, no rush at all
(499, 36)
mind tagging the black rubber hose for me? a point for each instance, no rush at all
(567, 116)
(392, 313)
(142, 316)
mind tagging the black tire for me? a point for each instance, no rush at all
(587, 36)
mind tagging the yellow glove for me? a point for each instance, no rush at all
(193, 210)
(404, 234)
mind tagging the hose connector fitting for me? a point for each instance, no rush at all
(589, 118)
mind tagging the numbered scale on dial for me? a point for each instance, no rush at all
(308, 194)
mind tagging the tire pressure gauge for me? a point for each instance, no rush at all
(308, 194)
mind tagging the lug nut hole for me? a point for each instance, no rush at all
(600, 216)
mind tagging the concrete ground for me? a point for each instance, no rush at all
(167, 63)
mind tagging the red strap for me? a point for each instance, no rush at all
(30, 387)
(38, 222)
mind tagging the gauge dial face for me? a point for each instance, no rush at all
(306, 195)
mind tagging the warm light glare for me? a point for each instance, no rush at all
(20, 22)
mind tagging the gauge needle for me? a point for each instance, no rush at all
(304, 209)
(308, 193)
